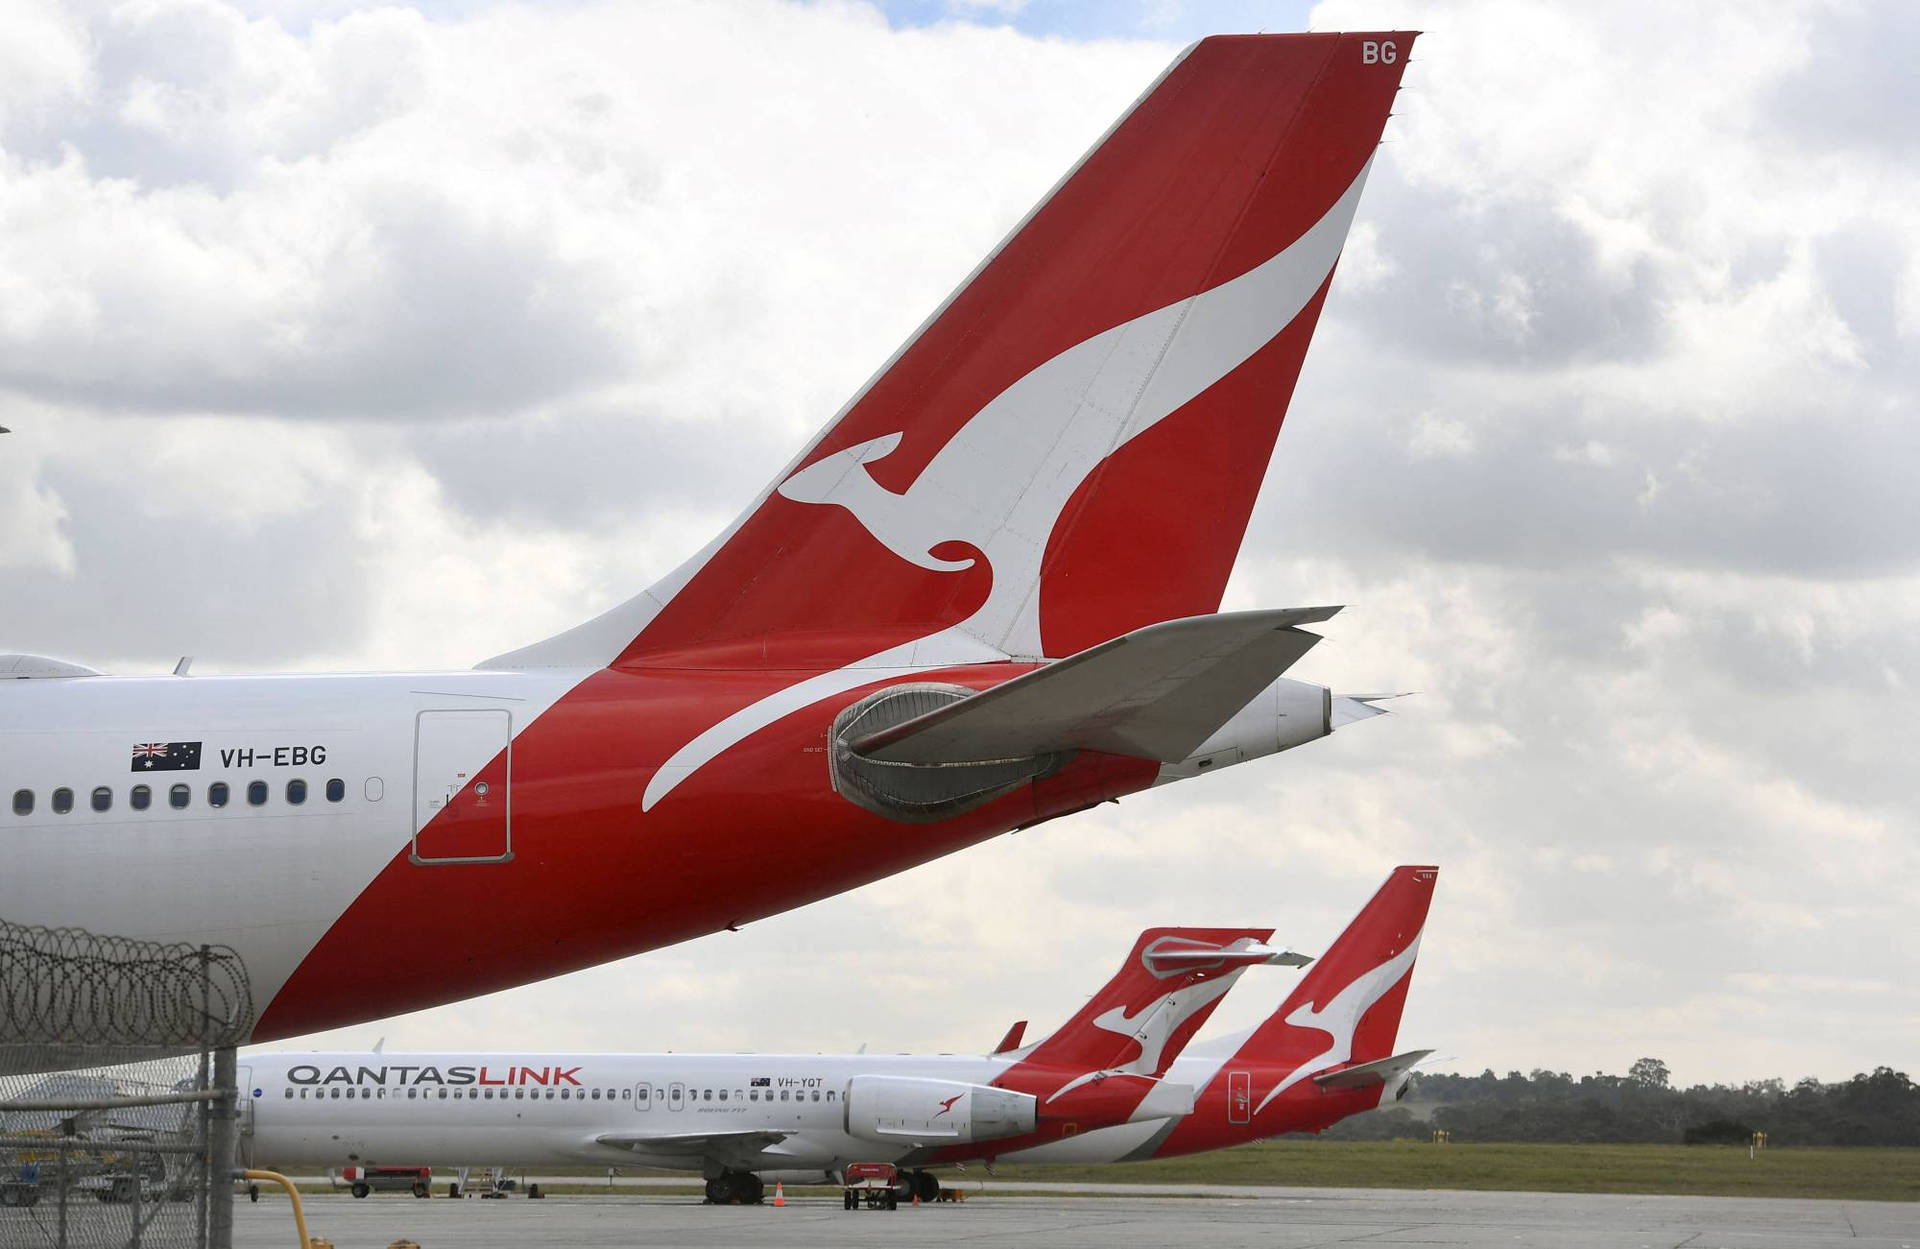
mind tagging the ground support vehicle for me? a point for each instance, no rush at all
(871, 1183)
(20, 1185)
(361, 1181)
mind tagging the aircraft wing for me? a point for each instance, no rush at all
(736, 1147)
(1379, 1071)
(1155, 693)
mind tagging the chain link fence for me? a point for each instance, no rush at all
(117, 1090)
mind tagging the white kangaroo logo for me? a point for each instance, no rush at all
(1001, 482)
(1340, 1017)
(1151, 1028)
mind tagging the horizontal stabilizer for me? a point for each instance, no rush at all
(1155, 693)
(1379, 1071)
(1176, 958)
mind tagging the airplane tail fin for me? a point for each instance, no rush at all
(1345, 1013)
(1069, 448)
(1171, 981)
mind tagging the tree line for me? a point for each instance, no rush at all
(1877, 1108)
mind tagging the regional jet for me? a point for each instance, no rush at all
(1113, 1084)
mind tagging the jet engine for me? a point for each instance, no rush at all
(915, 793)
(896, 1108)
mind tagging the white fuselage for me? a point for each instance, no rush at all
(431, 1109)
(266, 878)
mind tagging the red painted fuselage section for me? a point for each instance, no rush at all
(594, 878)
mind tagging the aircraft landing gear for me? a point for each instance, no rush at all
(922, 1184)
(730, 1188)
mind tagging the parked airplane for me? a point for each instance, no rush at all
(1111, 1085)
(982, 598)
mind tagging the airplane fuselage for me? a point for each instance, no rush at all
(527, 1110)
(333, 829)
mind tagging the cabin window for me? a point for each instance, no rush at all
(642, 1094)
(565, 1093)
(289, 1093)
(217, 797)
(350, 1094)
(723, 1095)
(829, 1094)
(296, 792)
(336, 790)
(626, 1095)
(816, 1095)
(140, 797)
(489, 1094)
(257, 793)
(519, 1095)
(596, 1095)
(23, 802)
(102, 798)
(179, 796)
(412, 1093)
(706, 1095)
(336, 1095)
(62, 801)
(443, 1095)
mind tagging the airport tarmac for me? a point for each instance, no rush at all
(1291, 1218)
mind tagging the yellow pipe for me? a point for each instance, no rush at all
(299, 1215)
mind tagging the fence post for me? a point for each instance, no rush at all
(220, 1150)
(205, 1116)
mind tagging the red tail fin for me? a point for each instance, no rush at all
(1170, 983)
(1070, 447)
(1347, 1008)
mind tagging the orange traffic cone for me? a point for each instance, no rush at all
(916, 1197)
(779, 1193)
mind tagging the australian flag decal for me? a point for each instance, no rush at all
(166, 757)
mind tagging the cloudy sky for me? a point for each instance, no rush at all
(344, 338)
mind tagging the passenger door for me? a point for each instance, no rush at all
(462, 778)
(1239, 1097)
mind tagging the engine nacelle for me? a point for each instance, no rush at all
(900, 1108)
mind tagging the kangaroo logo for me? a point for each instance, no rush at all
(1001, 482)
(1340, 1017)
(1151, 1027)
(947, 1105)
